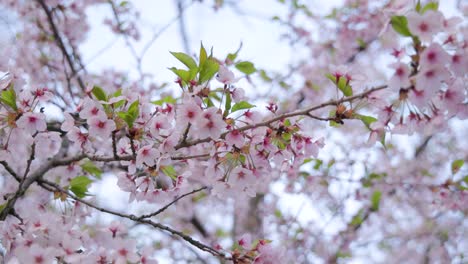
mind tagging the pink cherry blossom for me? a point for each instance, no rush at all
(100, 126)
(400, 78)
(425, 26)
(210, 123)
(235, 138)
(225, 75)
(188, 112)
(91, 109)
(32, 122)
(434, 56)
(147, 155)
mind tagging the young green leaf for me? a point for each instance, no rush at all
(79, 186)
(331, 77)
(434, 6)
(418, 6)
(241, 105)
(185, 59)
(400, 25)
(344, 86)
(456, 165)
(131, 115)
(375, 200)
(208, 70)
(246, 67)
(8, 97)
(89, 167)
(357, 219)
(184, 75)
(169, 171)
(99, 93)
(202, 56)
(227, 105)
(367, 120)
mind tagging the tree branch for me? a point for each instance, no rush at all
(171, 203)
(304, 112)
(60, 44)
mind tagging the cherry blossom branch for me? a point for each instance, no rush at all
(25, 183)
(171, 203)
(60, 43)
(304, 112)
(10, 170)
(31, 158)
(134, 218)
(127, 40)
(351, 228)
(182, 29)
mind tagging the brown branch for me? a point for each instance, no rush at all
(10, 170)
(60, 43)
(171, 203)
(134, 218)
(25, 183)
(182, 29)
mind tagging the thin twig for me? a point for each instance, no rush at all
(171, 203)
(60, 43)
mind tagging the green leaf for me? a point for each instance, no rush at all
(184, 75)
(418, 6)
(456, 165)
(278, 213)
(89, 167)
(8, 97)
(400, 25)
(241, 105)
(202, 56)
(169, 171)
(168, 99)
(232, 56)
(344, 86)
(318, 164)
(186, 60)
(358, 219)
(362, 44)
(342, 254)
(99, 93)
(246, 67)
(434, 6)
(79, 186)
(227, 104)
(331, 77)
(131, 115)
(333, 123)
(375, 200)
(208, 102)
(367, 120)
(208, 70)
(264, 76)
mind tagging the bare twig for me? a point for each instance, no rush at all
(171, 203)
(182, 29)
(60, 43)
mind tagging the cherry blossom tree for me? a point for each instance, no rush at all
(356, 152)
